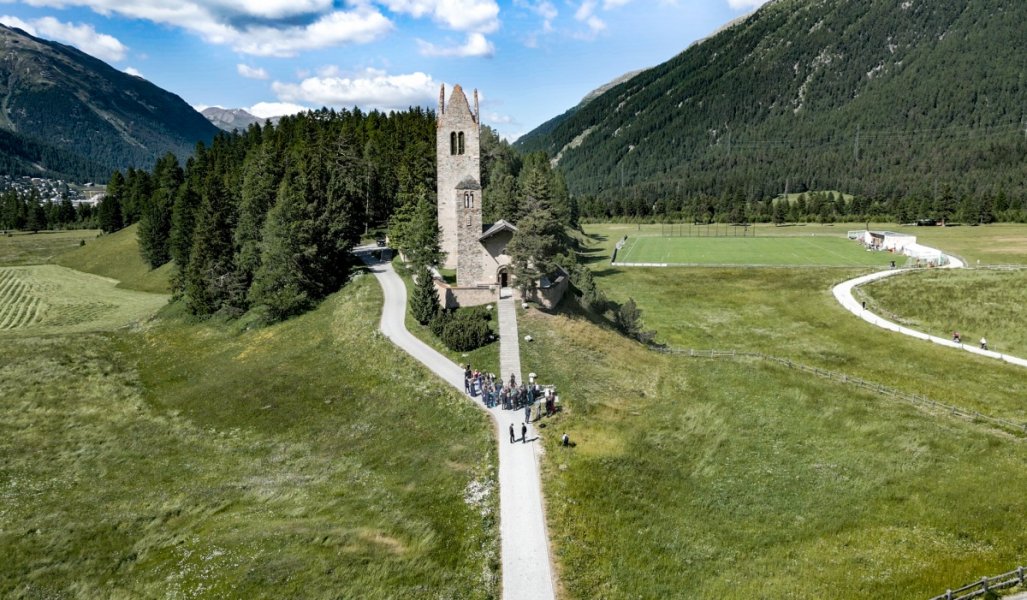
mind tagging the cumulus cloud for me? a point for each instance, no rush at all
(82, 36)
(480, 16)
(251, 72)
(476, 45)
(134, 71)
(264, 28)
(267, 110)
(370, 89)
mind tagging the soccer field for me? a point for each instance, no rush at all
(822, 251)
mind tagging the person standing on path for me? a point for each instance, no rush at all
(511, 433)
(527, 413)
(524, 433)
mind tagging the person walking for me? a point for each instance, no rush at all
(524, 433)
(984, 344)
(527, 413)
(511, 433)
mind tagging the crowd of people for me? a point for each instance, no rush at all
(536, 400)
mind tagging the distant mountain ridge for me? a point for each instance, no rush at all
(82, 116)
(876, 97)
(232, 119)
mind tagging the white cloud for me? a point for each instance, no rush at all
(263, 28)
(611, 4)
(82, 36)
(251, 72)
(371, 89)
(544, 9)
(134, 71)
(498, 119)
(476, 45)
(267, 110)
(745, 4)
(480, 16)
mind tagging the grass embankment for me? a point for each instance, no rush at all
(307, 459)
(117, 256)
(722, 479)
(23, 248)
(976, 303)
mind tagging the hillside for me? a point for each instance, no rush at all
(81, 117)
(882, 98)
(117, 256)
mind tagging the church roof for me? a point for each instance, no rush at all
(496, 227)
(468, 184)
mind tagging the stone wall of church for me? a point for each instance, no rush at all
(455, 163)
(470, 268)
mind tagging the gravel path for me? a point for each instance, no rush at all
(527, 571)
(843, 293)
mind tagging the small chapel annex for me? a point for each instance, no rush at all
(475, 250)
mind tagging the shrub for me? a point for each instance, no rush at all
(464, 329)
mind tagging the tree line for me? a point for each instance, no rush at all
(29, 212)
(267, 217)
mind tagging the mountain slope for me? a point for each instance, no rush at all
(878, 97)
(81, 105)
(231, 119)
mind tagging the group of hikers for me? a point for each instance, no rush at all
(959, 340)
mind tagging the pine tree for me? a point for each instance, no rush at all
(109, 210)
(210, 281)
(629, 321)
(279, 283)
(156, 213)
(424, 304)
(535, 245)
(261, 174)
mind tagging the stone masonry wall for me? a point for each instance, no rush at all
(470, 269)
(455, 117)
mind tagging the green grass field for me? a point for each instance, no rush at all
(46, 299)
(117, 256)
(811, 250)
(40, 248)
(976, 303)
(738, 478)
(309, 459)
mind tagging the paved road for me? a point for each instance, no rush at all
(843, 293)
(527, 571)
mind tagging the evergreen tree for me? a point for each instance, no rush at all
(156, 214)
(261, 173)
(36, 220)
(629, 321)
(424, 304)
(210, 282)
(109, 212)
(279, 283)
(535, 245)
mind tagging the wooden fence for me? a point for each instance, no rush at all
(877, 388)
(985, 585)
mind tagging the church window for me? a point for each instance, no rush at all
(460, 143)
(468, 199)
(452, 143)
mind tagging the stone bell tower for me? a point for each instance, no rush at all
(459, 184)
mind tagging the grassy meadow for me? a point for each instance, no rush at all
(976, 303)
(753, 251)
(22, 248)
(741, 479)
(210, 459)
(116, 255)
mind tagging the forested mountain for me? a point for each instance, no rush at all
(79, 117)
(916, 100)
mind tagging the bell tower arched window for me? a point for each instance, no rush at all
(452, 143)
(468, 199)
(460, 143)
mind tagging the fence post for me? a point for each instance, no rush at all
(984, 584)
(1019, 573)
(948, 594)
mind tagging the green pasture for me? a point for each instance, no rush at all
(732, 478)
(810, 250)
(997, 244)
(976, 303)
(116, 255)
(50, 299)
(22, 248)
(310, 459)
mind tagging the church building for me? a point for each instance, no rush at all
(477, 251)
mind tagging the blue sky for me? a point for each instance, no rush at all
(529, 59)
